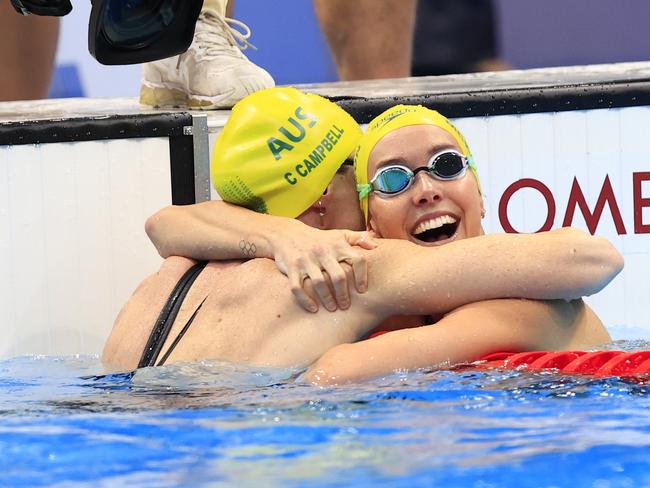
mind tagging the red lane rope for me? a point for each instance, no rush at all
(597, 363)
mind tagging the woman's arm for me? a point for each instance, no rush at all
(462, 336)
(416, 280)
(216, 230)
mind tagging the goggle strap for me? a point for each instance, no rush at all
(364, 190)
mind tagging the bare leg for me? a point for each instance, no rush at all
(368, 38)
(224, 8)
(27, 52)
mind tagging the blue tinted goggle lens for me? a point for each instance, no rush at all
(446, 165)
(392, 180)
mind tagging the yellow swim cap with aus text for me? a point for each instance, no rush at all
(279, 150)
(392, 119)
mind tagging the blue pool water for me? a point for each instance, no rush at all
(216, 424)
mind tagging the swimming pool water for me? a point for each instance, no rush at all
(217, 424)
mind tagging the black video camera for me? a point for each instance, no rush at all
(129, 31)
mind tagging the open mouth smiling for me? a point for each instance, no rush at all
(436, 229)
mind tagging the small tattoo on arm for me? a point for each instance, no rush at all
(248, 249)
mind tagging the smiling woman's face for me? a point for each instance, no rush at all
(430, 212)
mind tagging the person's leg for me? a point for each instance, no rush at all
(368, 38)
(219, 6)
(230, 9)
(27, 54)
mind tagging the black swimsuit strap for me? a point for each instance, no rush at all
(168, 314)
(180, 334)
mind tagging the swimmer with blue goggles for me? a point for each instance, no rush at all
(392, 180)
(447, 164)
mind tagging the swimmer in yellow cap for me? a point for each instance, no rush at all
(417, 179)
(283, 153)
(449, 163)
(292, 146)
(243, 310)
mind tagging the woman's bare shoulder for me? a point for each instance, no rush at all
(176, 264)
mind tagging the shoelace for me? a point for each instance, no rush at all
(235, 32)
(210, 38)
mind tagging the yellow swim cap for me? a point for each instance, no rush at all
(280, 149)
(392, 119)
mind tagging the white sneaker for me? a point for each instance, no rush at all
(213, 73)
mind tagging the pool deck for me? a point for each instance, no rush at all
(602, 80)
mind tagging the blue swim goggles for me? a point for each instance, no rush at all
(395, 179)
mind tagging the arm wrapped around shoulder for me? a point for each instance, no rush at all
(562, 264)
(212, 230)
(592, 261)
